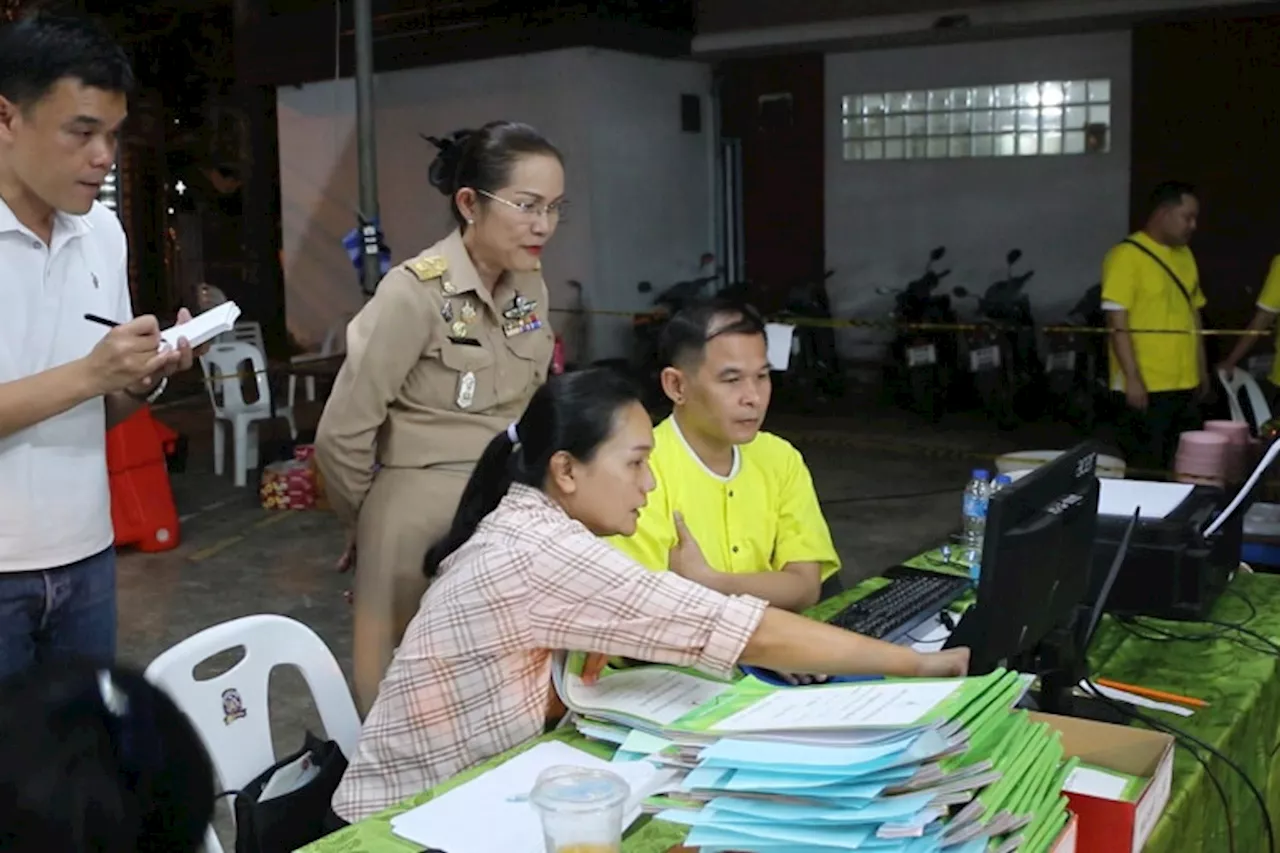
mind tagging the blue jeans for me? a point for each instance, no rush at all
(68, 612)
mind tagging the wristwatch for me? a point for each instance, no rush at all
(155, 392)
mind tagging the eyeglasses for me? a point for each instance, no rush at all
(531, 209)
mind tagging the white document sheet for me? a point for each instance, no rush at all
(1095, 783)
(1157, 500)
(204, 327)
(778, 337)
(491, 813)
(840, 706)
(655, 695)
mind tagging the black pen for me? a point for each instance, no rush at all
(102, 321)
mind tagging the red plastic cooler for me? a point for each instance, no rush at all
(142, 507)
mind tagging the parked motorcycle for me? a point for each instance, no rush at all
(643, 364)
(1076, 364)
(1004, 352)
(922, 362)
(814, 371)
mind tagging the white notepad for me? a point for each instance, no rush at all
(204, 327)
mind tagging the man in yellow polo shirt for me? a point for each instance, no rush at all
(1150, 282)
(1265, 318)
(745, 495)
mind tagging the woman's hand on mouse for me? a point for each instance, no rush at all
(951, 663)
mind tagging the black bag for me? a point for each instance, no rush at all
(289, 821)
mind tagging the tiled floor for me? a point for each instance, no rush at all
(237, 559)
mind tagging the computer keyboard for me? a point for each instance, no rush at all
(894, 611)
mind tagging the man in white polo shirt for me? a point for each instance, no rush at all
(63, 379)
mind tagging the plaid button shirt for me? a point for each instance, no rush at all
(472, 677)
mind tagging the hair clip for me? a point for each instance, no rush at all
(112, 696)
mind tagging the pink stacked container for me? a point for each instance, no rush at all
(1238, 445)
(1202, 459)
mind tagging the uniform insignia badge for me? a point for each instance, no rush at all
(466, 390)
(429, 268)
(520, 317)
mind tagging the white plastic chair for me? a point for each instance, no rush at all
(230, 710)
(222, 365)
(1239, 380)
(335, 342)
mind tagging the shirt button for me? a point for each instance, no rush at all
(730, 494)
(35, 244)
(735, 549)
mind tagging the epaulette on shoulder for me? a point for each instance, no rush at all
(428, 268)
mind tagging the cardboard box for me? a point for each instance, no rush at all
(1117, 825)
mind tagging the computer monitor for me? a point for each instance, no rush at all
(1036, 561)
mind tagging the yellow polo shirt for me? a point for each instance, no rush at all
(1138, 284)
(1269, 300)
(761, 517)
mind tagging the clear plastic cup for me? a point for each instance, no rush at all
(582, 810)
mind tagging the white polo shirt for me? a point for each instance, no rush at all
(55, 501)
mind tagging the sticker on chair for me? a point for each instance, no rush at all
(232, 706)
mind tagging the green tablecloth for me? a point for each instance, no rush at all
(1243, 722)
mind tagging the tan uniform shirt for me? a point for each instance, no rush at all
(436, 366)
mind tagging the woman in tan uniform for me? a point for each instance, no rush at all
(445, 355)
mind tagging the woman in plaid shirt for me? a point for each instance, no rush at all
(523, 573)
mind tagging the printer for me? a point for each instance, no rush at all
(1181, 556)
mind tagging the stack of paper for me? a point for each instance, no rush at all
(897, 765)
(492, 813)
(203, 327)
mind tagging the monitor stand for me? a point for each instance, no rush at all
(1060, 670)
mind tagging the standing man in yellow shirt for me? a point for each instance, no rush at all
(1264, 319)
(1151, 293)
(744, 495)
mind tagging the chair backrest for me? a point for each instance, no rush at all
(1237, 381)
(230, 710)
(222, 365)
(249, 331)
(335, 340)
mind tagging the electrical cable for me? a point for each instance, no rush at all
(1221, 631)
(1249, 632)
(1253, 610)
(1181, 735)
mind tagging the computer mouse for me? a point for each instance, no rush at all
(768, 676)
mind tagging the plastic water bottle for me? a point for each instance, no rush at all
(976, 496)
(1000, 482)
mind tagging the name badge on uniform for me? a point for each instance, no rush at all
(466, 390)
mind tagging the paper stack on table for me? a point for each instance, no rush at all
(492, 814)
(204, 327)
(895, 766)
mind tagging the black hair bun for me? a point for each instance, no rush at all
(443, 172)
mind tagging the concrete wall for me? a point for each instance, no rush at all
(639, 187)
(882, 217)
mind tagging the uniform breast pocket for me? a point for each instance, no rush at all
(530, 358)
(466, 380)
